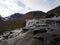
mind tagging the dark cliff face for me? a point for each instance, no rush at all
(53, 12)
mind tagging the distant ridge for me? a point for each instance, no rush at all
(14, 16)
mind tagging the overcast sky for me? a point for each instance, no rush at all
(8, 7)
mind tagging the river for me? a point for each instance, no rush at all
(16, 35)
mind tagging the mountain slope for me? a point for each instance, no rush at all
(14, 16)
(53, 12)
(35, 14)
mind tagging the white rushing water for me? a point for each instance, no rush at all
(12, 38)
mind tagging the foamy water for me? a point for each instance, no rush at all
(16, 35)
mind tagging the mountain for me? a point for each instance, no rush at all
(14, 16)
(29, 15)
(53, 13)
(34, 14)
